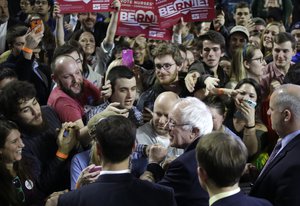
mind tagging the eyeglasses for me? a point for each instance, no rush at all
(17, 183)
(165, 66)
(259, 59)
(171, 124)
(41, 2)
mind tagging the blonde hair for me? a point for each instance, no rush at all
(94, 156)
(116, 62)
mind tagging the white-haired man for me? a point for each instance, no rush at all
(188, 120)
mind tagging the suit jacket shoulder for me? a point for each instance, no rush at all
(241, 199)
(182, 177)
(279, 183)
(119, 189)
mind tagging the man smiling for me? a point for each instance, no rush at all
(168, 62)
(45, 149)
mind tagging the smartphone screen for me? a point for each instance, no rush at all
(66, 133)
(127, 58)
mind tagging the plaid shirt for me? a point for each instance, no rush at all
(134, 114)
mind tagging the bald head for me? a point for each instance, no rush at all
(62, 63)
(162, 107)
(285, 109)
(67, 74)
(166, 100)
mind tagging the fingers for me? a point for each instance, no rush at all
(157, 153)
(106, 89)
(116, 4)
(113, 107)
(191, 80)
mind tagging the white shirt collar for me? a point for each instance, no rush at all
(222, 195)
(114, 172)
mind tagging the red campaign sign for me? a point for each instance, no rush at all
(77, 6)
(138, 17)
(201, 10)
(191, 10)
(168, 15)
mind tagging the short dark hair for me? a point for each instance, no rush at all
(15, 32)
(6, 72)
(282, 37)
(214, 37)
(215, 101)
(118, 72)
(240, 5)
(168, 49)
(259, 21)
(222, 157)
(11, 96)
(116, 137)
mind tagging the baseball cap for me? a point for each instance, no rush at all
(240, 29)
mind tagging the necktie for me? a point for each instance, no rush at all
(272, 156)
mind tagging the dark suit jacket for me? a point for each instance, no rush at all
(182, 177)
(40, 78)
(119, 189)
(241, 199)
(280, 181)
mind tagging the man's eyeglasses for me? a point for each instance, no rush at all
(17, 183)
(165, 66)
(259, 59)
(171, 124)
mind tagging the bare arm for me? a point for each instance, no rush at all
(60, 35)
(84, 137)
(112, 27)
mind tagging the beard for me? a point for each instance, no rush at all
(169, 80)
(70, 92)
(33, 129)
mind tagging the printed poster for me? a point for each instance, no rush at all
(77, 6)
(171, 11)
(138, 17)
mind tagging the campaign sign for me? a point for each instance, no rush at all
(191, 10)
(77, 6)
(167, 12)
(200, 10)
(138, 17)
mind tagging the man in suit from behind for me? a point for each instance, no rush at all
(115, 137)
(279, 180)
(221, 161)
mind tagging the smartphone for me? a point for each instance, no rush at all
(96, 168)
(34, 22)
(250, 102)
(127, 58)
(66, 133)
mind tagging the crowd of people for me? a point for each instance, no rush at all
(208, 118)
